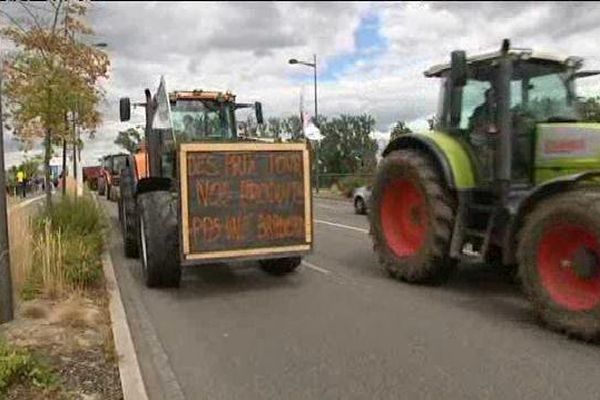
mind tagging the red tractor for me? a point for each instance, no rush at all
(91, 175)
(108, 181)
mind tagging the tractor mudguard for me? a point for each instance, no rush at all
(153, 184)
(449, 155)
(520, 206)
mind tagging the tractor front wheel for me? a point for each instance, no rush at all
(158, 241)
(559, 262)
(129, 218)
(411, 218)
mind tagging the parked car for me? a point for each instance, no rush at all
(361, 197)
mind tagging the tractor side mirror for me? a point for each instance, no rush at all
(124, 109)
(458, 68)
(258, 112)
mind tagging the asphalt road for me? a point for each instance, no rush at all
(339, 328)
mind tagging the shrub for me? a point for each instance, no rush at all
(20, 365)
(68, 243)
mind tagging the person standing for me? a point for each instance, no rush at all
(22, 183)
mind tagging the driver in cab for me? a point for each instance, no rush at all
(482, 126)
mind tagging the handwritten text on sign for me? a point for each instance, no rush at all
(244, 200)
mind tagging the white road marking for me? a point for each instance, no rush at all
(353, 228)
(314, 267)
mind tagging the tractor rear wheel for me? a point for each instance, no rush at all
(280, 266)
(128, 215)
(411, 218)
(158, 239)
(559, 262)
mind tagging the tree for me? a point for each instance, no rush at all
(52, 75)
(347, 146)
(273, 127)
(399, 129)
(129, 139)
(292, 125)
(590, 109)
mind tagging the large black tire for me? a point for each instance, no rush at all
(101, 186)
(108, 191)
(558, 255)
(158, 244)
(411, 218)
(280, 266)
(128, 215)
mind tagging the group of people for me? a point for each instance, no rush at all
(25, 184)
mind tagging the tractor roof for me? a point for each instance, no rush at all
(202, 95)
(523, 54)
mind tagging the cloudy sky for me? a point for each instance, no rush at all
(370, 55)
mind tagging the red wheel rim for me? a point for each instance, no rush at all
(555, 258)
(404, 217)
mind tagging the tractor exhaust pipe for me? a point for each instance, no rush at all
(504, 148)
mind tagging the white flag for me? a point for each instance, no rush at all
(312, 132)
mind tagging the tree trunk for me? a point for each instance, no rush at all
(64, 166)
(47, 157)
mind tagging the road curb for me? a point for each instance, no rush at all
(132, 383)
(340, 200)
(24, 203)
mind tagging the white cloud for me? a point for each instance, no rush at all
(244, 47)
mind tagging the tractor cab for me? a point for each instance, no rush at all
(173, 118)
(499, 103)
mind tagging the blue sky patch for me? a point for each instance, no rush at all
(369, 45)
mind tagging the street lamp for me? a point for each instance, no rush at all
(313, 65)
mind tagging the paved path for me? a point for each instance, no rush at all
(339, 328)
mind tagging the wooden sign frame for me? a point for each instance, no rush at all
(252, 253)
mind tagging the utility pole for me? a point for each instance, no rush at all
(74, 144)
(316, 124)
(6, 294)
(64, 164)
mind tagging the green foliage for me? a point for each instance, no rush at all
(399, 129)
(129, 139)
(18, 365)
(347, 146)
(68, 247)
(276, 127)
(52, 74)
(348, 184)
(590, 109)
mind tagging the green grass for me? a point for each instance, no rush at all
(19, 365)
(68, 244)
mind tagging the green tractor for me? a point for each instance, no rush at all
(508, 175)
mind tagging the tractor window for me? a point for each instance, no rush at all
(119, 163)
(549, 99)
(542, 93)
(473, 101)
(195, 120)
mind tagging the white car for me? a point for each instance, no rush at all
(361, 197)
